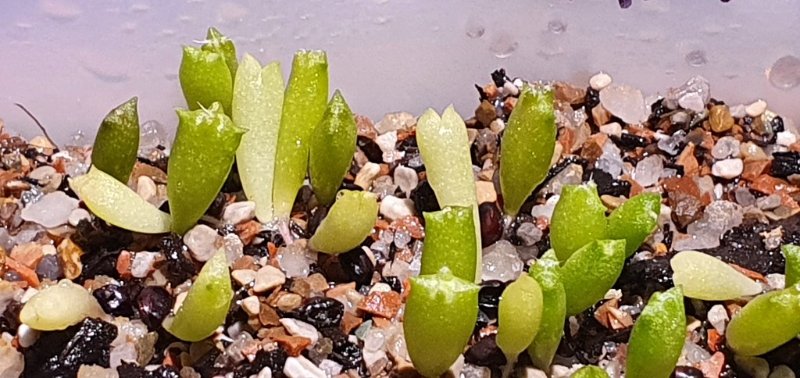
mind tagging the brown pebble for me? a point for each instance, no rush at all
(294, 345)
(244, 262)
(268, 316)
(317, 283)
(27, 254)
(350, 322)
(70, 255)
(687, 160)
(485, 113)
(301, 288)
(508, 105)
(365, 127)
(720, 118)
(754, 168)
(600, 115)
(288, 301)
(566, 92)
(385, 304)
(247, 231)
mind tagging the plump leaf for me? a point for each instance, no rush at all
(450, 242)
(546, 271)
(590, 272)
(206, 304)
(303, 106)
(527, 147)
(706, 277)
(59, 306)
(635, 220)
(444, 146)
(117, 142)
(201, 158)
(439, 318)
(220, 44)
(257, 104)
(519, 315)
(348, 223)
(792, 254)
(766, 322)
(332, 147)
(658, 336)
(590, 371)
(205, 79)
(579, 218)
(115, 203)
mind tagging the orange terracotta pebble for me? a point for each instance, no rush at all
(385, 304)
(350, 322)
(754, 168)
(294, 345)
(124, 264)
(714, 340)
(247, 231)
(749, 273)
(27, 254)
(27, 274)
(687, 160)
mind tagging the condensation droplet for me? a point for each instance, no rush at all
(380, 20)
(305, 17)
(128, 27)
(167, 32)
(556, 26)
(785, 72)
(669, 72)
(24, 25)
(474, 29)
(60, 10)
(503, 45)
(696, 58)
(106, 72)
(140, 8)
(184, 19)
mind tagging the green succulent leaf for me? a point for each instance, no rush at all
(332, 147)
(590, 371)
(765, 323)
(590, 272)
(117, 143)
(519, 315)
(546, 271)
(200, 161)
(116, 203)
(579, 218)
(450, 242)
(635, 220)
(303, 107)
(218, 43)
(439, 318)
(658, 336)
(792, 254)
(205, 79)
(527, 147)
(706, 277)
(349, 221)
(206, 304)
(257, 104)
(444, 146)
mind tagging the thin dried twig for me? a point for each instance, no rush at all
(39, 124)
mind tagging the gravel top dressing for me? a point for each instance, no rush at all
(564, 229)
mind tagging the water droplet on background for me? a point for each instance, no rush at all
(106, 72)
(474, 29)
(696, 58)
(381, 20)
(140, 8)
(785, 72)
(503, 45)
(129, 27)
(60, 10)
(556, 26)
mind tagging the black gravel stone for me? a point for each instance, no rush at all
(785, 164)
(687, 372)
(114, 300)
(587, 345)
(591, 100)
(370, 149)
(744, 246)
(491, 219)
(499, 77)
(153, 304)
(394, 282)
(485, 352)
(644, 277)
(179, 267)
(216, 207)
(606, 184)
(357, 266)
(777, 125)
(424, 198)
(628, 142)
(345, 352)
(320, 312)
(274, 360)
(489, 297)
(86, 344)
(129, 370)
